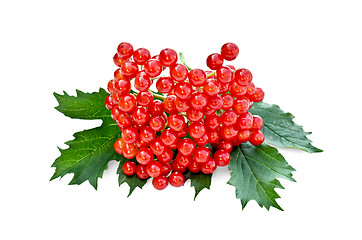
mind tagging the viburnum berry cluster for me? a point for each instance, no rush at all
(167, 132)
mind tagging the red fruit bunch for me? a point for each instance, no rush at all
(166, 134)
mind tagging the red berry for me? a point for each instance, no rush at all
(142, 144)
(169, 104)
(250, 89)
(243, 136)
(197, 77)
(209, 111)
(124, 120)
(154, 168)
(156, 108)
(144, 156)
(110, 86)
(224, 75)
(212, 122)
(140, 116)
(130, 135)
(166, 169)
(214, 136)
(258, 95)
(243, 77)
(141, 55)
(183, 90)
(118, 145)
(215, 102)
(194, 167)
(129, 69)
(203, 140)
(125, 50)
(129, 151)
(160, 182)
(257, 123)
(228, 118)
(237, 90)
(183, 160)
(108, 102)
(186, 146)
(208, 167)
(176, 167)
(157, 123)
(157, 146)
(225, 145)
(127, 103)
(222, 158)
(245, 121)
(214, 61)
(229, 51)
(257, 138)
(224, 87)
(117, 60)
(201, 154)
(164, 84)
(166, 156)
(176, 122)
(197, 129)
(142, 81)
(228, 101)
(178, 72)
(183, 132)
(168, 57)
(122, 86)
(144, 98)
(211, 88)
(168, 137)
(198, 100)
(241, 106)
(147, 134)
(153, 67)
(182, 105)
(176, 179)
(194, 115)
(141, 172)
(129, 168)
(228, 132)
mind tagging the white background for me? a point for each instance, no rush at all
(306, 56)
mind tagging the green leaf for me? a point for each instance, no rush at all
(280, 130)
(254, 173)
(199, 181)
(132, 181)
(91, 150)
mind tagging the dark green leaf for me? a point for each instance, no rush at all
(91, 150)
(280, 130)
(132, 181)
(254, 173)
(199, 181)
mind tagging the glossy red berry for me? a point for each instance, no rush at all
(176, 167)
(125, 50)
(140, 116)
(209, 111)
(203, 140)
(183, 132)
(141, 55)
(117, 60)
(243, 77)
(194, 115)
(212, 122)
(243, 136)
(194, 167)
(176, 179)
(122, 86)
(181, 104)
(201, 154)
(250, 89)
(129, 150)
(197, 129)
(124, 120)
(229, 51)
(214, 136)
(164, 84)
(129, 168)
(208, 167)
(130, 135)
(183, 160)
(153, 67)
(169, 137)
(257, 138)
(183, 90)
(211, 88)
(228, 101)
(108, 102)
(141, 172)
(198, 100)
(215, 102)
(257, 123)
(118, 145)
(166, 156)
(186, 146)
(225, 145)
(224, 75)
(127, 103)
(228, 118)
(147, 134)
(197, 77)
(178, 72)
(157, 146)
(160, 182)
(156, 108)
(144, 156)
(169, 104)
(214, 61)
(222, 158)
(176, 122)
(166, 169)
(142, 81)
(144, 98)
(154, 168)
(157, 123)
(245, 121)
(168, 57)
(241, 106)
(237, 90)
(129, 69)
(258, 95)
(228, 132)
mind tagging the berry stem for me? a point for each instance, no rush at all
(211, 74)
(182, 60)
(159, 97)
